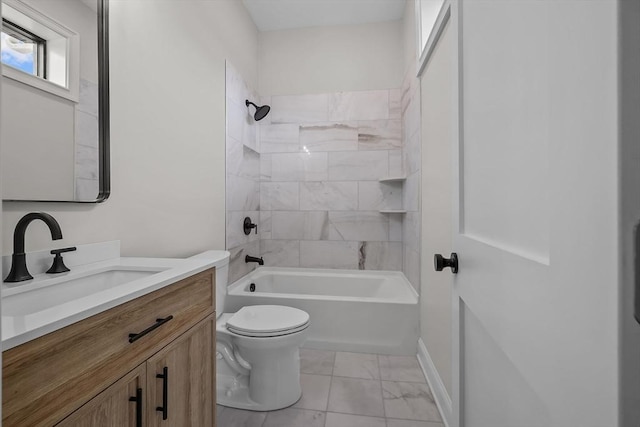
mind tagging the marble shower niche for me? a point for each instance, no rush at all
(326, 176)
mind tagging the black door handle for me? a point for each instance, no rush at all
(440, 262)
(165, 392)
(138, 399)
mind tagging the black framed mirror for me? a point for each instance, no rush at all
(55, 101)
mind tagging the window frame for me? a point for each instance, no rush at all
(40, 58)
(62, 80)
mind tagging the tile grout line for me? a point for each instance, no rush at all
(384, 410)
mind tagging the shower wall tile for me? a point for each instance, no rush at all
(243, 194)
(283, 253)
(411, 267)
(358, 226)
(321, 158)
(242, 161)
(279, 196)
(237, 117)
(341, 136)
(318, 196)
(395, 104)
(86, 189)
(358, 165)
(411, 230)
(395, 163)
(380, 135)
(374, 195)
(328, 254)
(237, 267)
(235, 230)
(316, 225)
(299, 167)
(265, 167)
(300, 108)
(279, 138)
(411, 164)
(411, 199)
(243, 174)
(395, 227)
(381, 255)
(264, 226)
(287, 225)
(364, 105)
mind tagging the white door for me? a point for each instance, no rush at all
(535, 299)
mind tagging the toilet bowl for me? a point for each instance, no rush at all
(257, 350)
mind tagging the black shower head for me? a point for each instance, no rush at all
(261, 112)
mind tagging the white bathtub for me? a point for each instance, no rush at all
(350, 310)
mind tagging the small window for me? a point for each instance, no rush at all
(23, 50)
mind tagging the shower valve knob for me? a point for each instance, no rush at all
(440, 262)
(248, 225)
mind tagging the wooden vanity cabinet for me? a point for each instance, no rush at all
(121, 405)
(89, 374)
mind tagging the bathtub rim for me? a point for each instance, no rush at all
(237, 287)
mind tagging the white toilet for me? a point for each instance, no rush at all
(258, 360)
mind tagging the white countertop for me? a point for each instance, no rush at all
(18, 329)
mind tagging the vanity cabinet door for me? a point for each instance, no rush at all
(121, 405)
(180, 380)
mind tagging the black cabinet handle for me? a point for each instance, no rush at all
(440, 262)
(138, 399)
(159, 322)
(165, 392)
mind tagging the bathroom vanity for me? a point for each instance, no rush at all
(144, 362)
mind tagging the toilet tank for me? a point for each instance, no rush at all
(221, 263)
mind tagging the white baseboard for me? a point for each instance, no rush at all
(440, 395)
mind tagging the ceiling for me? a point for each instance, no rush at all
(270, 15)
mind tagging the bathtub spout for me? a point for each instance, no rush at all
(225, 350)
(250, 258)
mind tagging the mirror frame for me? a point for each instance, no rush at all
(104, 161)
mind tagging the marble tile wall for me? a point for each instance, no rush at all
(242, 173)
(321, 159)
(411, 161)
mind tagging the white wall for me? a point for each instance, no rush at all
(331, 59)
(167, 131)
(409, 35)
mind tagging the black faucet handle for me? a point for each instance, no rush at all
(58, 263)
(63, 250)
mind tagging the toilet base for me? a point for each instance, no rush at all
(233, 392)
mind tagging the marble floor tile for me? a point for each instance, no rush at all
(411, 423)
(319, 362)
(294, 417)
(315, 392)
(345, 420)
(231, 417)
(356, 365)
(400, 368)
(409, 401)
(356, 396)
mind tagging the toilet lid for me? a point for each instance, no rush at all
(267, 320)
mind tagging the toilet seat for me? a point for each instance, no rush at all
(267, 321)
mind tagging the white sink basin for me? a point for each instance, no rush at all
(50, 302)
(63, 290)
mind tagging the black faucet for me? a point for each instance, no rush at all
(19, 270)
(250, 258)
